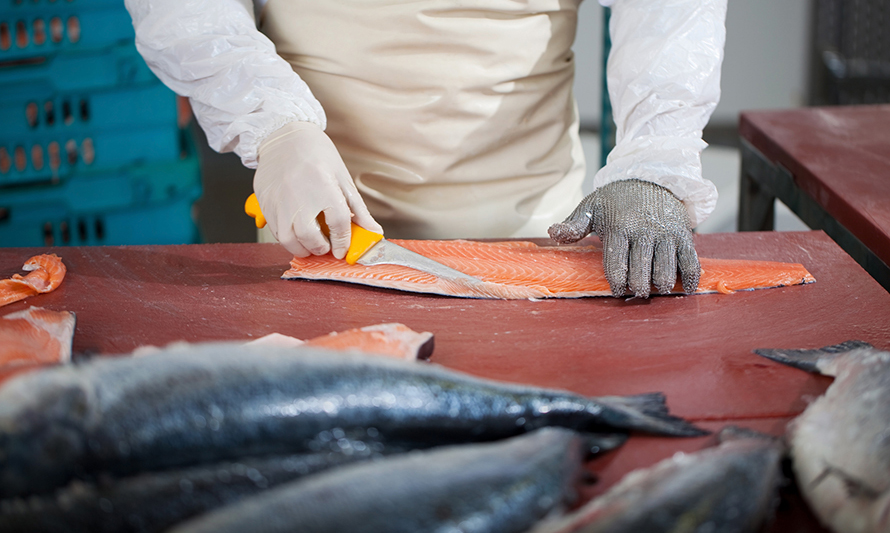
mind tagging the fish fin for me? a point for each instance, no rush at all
(730, 433)
(649, 412)
(597, 443)
(810, 360)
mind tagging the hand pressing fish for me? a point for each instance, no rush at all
(502, 487)
(198, 404)
(732, 488)
(841, 443)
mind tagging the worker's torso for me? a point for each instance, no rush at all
(455, 117)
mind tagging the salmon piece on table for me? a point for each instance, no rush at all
(36, 336)
(45, 274)
(520, 269)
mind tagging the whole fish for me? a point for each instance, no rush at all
(840, 444)
(155, 501)
(501, 487)
(731, 488)
(198, 404)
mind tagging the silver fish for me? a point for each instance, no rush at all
(199, 404)
(155, 501)
(501, 487)
(152, 502)
(840, 444)
(731, 488)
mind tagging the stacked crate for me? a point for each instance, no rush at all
(93, 148)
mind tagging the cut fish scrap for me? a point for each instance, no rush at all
(36, 336)
(393, 340)
(520, 269)
(45, 274)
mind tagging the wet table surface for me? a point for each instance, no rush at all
(839, 156)
(695, 349)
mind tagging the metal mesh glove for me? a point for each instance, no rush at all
(646, 236)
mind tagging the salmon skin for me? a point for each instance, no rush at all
(202, 403)
(731, 488)
(519, 269)
(36, 336)
(840, 444)
(503, 487)
(45, 274)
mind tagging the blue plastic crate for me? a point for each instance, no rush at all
(61, 156)
(48, 111)
(143, 204)
(116, 66)
(30, 28)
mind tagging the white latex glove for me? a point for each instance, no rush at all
(300, 174)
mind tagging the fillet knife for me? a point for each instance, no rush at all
(369, 248)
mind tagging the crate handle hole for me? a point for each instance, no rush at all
(5, 160)
(100, 229)
(37, 157)
(82, 230)
(67, 115)
(55, 29)
(55, 155)
(39, 31)
(21, 160)
(48, 238)
(21, 34)
(50, 113)
(73, 29)
(5, 37)
(71, 151)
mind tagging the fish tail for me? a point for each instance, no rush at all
(649, 412)
(814, 360)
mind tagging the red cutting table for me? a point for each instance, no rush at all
(831, 166)
(695, 349)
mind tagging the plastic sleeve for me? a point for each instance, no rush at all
(210, 51)
(664, 83)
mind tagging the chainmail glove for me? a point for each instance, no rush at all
(646, 236)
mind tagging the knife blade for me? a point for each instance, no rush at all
(369, 248)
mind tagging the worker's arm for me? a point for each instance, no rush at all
(244, 96)
(664, 83)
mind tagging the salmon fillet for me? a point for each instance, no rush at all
(36, 336)
(520, 269)
(45, 274)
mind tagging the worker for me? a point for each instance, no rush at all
(447, 119)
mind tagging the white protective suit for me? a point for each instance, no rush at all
(454, 118)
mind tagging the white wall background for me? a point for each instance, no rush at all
(765, 64)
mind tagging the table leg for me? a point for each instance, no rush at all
(756, 199)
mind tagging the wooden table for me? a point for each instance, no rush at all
(695, 349)
(831, 166)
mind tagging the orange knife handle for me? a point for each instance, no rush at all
(362, 240)
(252, 208)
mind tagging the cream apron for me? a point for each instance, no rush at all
(455, 117)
